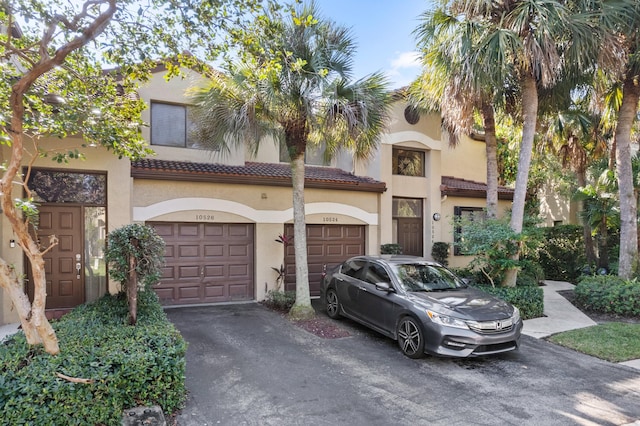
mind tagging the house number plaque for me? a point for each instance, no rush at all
(329, 219)
(205, 217)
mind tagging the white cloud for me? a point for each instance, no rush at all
(405, 60)
(405, 67)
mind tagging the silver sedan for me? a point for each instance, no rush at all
(422, 305)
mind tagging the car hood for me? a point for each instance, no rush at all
(466, 303)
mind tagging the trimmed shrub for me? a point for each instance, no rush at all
(609, 294)
(280, 300)
(128, 366)
(390, 249)
(440, 252)
(562, 255)
(528, 299)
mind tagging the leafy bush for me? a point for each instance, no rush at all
(609, 294)
(493, 244)
(390, 249)
(142, 242)
(562, 254)
(128, 366)
(280, 300)
(440, 252)
(528, 299)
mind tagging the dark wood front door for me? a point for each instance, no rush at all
(410, 235)
(65, 280)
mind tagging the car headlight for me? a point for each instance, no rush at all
(516, 315)
(446, 320)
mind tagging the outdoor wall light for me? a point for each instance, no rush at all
(12, 243)
(436, 216)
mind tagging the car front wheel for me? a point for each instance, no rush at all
(410, 338)
(333, 305)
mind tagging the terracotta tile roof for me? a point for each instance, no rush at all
(469, 188)
(271, 174)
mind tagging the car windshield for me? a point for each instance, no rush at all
(425, 277)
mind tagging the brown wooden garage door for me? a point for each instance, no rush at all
(206, 262)
(326, 244)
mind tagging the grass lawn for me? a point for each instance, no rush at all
(614, 341)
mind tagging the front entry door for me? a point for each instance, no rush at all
(63, 264)
(410, 235)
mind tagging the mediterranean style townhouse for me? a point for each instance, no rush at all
(220, 216)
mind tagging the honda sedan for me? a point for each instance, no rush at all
(422, 305)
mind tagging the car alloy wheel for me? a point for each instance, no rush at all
(410, 338)
(333, 305)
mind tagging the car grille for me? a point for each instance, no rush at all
(491, 327)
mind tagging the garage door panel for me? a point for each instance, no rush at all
(203, 262)
(214, 291)
(237, 291)
(213, 230)
(168, 272)
(236, 271)
(214, 271)
(214, 250)
(188, 271)
(238, 251)
(188, 251)
(189, 292)
(326, 244)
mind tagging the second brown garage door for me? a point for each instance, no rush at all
(326, 244)
(206, 262)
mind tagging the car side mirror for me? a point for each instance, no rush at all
(382, 286)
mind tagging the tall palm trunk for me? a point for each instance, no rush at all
(491, 147)
(302, 306)
(628, 202)
(530, 115)
(586, 228)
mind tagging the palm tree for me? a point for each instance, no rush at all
(454, 84)
(627, 114)
(540, 39)
(294, 86)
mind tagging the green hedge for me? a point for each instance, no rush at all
(562, 256)
(130, 366)
(609, 294)
(528, 299)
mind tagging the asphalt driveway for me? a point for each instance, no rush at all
(247, 365)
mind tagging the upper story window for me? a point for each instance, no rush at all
(172, 126)
(408, 162)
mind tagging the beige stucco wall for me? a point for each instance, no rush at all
(556, 206)
(118, 198)
(467, 160)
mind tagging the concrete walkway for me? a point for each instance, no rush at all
(560, 315)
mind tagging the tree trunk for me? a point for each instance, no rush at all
(491, 147)
(590, 251)
(628, 204)
(132, 288)
(530, 115)
(302, 307)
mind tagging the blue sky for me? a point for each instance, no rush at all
(383, 33)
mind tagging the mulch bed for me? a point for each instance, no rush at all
(320, 325)
(323, 327)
